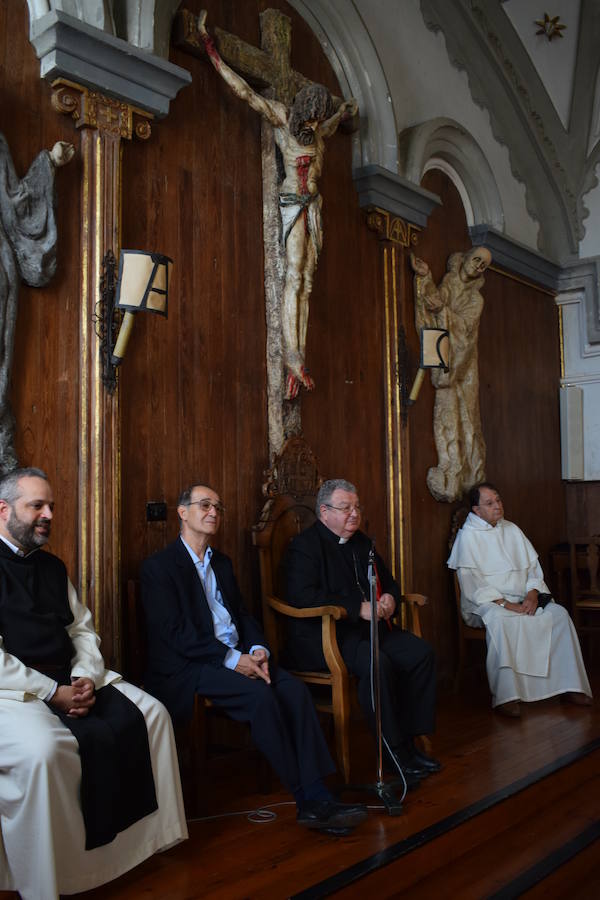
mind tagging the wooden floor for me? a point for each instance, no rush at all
(513, 799)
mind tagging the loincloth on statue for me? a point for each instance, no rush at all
(292, 206)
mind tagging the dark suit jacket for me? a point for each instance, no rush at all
(320, 571)
(181, 636)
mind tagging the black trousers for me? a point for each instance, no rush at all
(407, 680)
(282, 718)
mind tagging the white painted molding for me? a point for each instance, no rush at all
(463, 161)
(353, 57)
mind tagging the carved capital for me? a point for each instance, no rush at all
(391, 228)
(90, 109)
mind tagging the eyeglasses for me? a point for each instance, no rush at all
(346, 509)
(205, 505)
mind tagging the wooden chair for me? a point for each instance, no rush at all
(466, 632)
(584, 558)
(192, 739)
(291, 490)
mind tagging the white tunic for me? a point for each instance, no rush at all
(42, 835)
(529, 657)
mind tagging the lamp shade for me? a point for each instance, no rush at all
(143, 281)
(435, 348)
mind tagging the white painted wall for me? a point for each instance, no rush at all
(582, 369)
(424, 85)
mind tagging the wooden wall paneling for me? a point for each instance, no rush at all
(214, 411)
(208, 390)
(583, 508)
(45, 382)
(344, 418)
(192, 388)
(519, 341)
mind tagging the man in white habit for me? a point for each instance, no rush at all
(532, 646)
(89, 783)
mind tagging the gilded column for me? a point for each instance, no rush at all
(104, 124)
(394, 234)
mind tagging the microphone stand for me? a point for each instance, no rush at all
(385, 792)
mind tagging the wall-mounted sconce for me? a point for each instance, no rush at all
(143, 283)
(435, 354)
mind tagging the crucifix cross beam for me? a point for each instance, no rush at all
(266, 68)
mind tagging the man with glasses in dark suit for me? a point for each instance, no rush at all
(202, 640)
(327, 565)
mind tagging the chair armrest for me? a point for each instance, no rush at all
(418, 599)
(306, 612)
(413, 603)
(328, 616)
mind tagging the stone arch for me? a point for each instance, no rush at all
(442, 143)
(353, 57)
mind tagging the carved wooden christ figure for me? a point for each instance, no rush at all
(299, 133)
(27, 251)
(455, 305)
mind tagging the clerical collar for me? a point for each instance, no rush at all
(343, 540)
(12, 547)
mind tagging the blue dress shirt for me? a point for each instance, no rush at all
(225, 630)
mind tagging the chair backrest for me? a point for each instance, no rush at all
(584, 565)
(291, 488)
(458, 520)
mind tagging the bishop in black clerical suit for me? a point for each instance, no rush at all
(201, 639)
(327, 564)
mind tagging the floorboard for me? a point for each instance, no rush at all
(484, 755)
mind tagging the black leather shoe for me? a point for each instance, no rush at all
(331, 816)
(412, 772)
(426, 762)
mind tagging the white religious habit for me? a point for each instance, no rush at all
(528, 657)
(42, 833)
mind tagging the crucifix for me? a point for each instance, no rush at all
(296, 117)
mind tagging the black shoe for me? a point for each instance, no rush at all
(331, 816)
(413, 773)
(426, 762)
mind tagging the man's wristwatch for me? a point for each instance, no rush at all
(502, 603)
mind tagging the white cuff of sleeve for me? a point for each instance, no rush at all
(259, 647)
(53, 690)
(232, 658)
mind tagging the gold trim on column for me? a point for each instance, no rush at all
(397, 425)
(393, 232)
(104, 122)
(389, 419)
(97, 387)
(84, 333)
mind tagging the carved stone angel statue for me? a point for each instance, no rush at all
(28, 252)
(456, 305)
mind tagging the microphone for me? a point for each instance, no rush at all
(371, 572)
